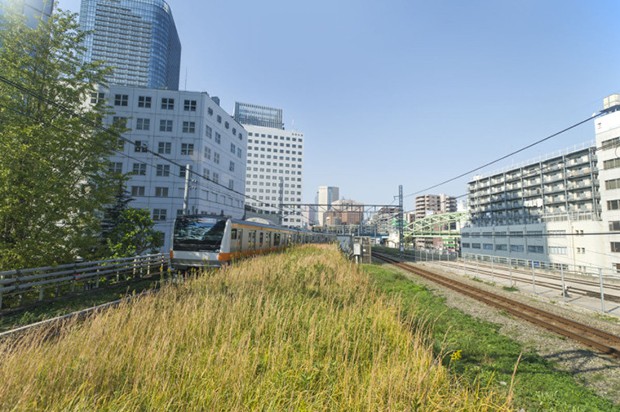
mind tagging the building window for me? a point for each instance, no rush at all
(143, 124)
(119, 121)
(163, 170)
(501, 247)
(139, 169)
(226, 125)
(516, 234)
(159, 214)
(535, 249)
(189, 105)
(189, 127)
(140, 146)
(164, 148)
(208, 131)
(165, 125)
(210, 111)
(96, 97)
(161, 192)
(231, 167)
(557, 250)
(615, 247)
(187, 149)
(516, 248)
(582, 250)
(216, 158)
(239, 152)
(218, 138)
(231, 184)
(207, 153)
(475, 245)
(182, 171)
(610, 143)
(611, 164)
(233, 148)
(144, 102)
(612, 184)
(613, 204)
(121, 100)
(167, 103)
(116, 167)
(556, 233)
(216, 177)
(219, 118)
(487, 246)
(465, 245)
(137, 190)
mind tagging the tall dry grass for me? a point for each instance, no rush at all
(295, 331)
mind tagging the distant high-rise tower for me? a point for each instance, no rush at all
(326, 196)
(34, 10)
(255, 115)
(274, 167)
(137, 38)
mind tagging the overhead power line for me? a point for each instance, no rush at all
(507, 155)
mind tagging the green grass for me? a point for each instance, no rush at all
(487, 357)
(300, 331)
(68, 303)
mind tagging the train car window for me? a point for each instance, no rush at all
(276, 239)
(268, 240)
(233, 234)
(252, 239)
(260, 239)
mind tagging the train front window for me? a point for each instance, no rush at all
(198, 233)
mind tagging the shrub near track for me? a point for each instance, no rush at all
(302, 330)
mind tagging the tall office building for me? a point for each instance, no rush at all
(33, 10)
(326, 195)
(170, 130)
(274, 166)
(137, 38)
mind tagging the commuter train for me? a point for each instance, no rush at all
(211, 241)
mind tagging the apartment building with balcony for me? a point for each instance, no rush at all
(562, 210)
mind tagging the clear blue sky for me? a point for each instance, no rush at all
(406, 92)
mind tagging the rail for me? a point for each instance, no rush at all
(56, 279)
(602, 341)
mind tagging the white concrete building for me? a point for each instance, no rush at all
(274, 174)
(172, 129)
(558, 211)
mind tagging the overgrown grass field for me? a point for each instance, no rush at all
(304, 330)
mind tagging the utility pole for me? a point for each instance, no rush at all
(186, 192)
(400, 221)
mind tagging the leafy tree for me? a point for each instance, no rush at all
(54, 155)
(126, 231)
(133, 234)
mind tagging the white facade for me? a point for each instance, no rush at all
(172, 129)
(274, 175)
(326, 195)
(607, 129)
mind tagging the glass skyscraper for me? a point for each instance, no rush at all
(137, 38)
(253, 114)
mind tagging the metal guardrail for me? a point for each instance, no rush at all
(90, 274)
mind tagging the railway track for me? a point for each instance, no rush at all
(602, 341)
(526, 277)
